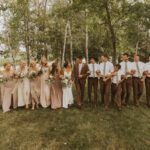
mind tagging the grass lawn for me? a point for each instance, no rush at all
(87, 129)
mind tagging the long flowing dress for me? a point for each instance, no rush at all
(23, 88)
(34, 89)
(45, 89)
(56, 92)
(7, 91)
(67, 92)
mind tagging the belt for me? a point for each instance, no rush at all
(138, 77)
(93, 77)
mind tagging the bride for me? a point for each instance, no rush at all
(67, 86)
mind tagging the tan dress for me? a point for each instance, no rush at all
(7, 92)
(56, 93)
(35, 89)
(45, 89)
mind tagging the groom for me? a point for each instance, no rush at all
(79, 76)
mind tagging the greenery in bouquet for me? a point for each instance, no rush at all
(50, 80)
(32, 76)
(66, 82)
(1, 80)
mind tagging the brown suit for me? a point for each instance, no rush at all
(147, 84)
(80, 82)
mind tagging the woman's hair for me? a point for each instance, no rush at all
(55, 68)
(7, 63)
(66, 64)
(41, 62)
(33, 65)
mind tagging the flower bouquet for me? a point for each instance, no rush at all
(33, 75)
(66, 82)
(50, 80)
(1, 80)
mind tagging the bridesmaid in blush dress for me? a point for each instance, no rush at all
(8, 86)
(45, 89)
(56, 88)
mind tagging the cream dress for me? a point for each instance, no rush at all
(45, 88)
(7, 91)
(23, 87)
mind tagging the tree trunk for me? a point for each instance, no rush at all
(86, 38)
(113, 36)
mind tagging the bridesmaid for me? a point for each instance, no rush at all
(45, 89)
(23, 85)
(67, 89)
(56, 88)
(34, 85)
(8, 86)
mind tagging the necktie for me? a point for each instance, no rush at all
(117, 78)
(126, 67)
(138, 69)
(104, 71)
(93, 71)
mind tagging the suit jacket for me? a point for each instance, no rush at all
(84, 72)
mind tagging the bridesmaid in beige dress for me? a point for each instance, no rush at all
(8, 86)
(34, 85)
(45, 89)
(23, 85)
(56, 88)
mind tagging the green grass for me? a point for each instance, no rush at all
(87, 129)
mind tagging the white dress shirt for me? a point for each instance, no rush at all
(147, 68)
(80, 68)
(117, 78)
(106, 68)
(139, 69)
(93, 68)
(126, 67)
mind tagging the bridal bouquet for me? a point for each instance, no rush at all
(1, 80)
(66, 82)
(33, 75)
(50, 80)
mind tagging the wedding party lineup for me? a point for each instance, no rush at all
(44, 85)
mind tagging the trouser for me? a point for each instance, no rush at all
(105, 88)
(80, 88)
(126, 90)
(116, 93)
(147, 85)
(92, 85)
(137, 90)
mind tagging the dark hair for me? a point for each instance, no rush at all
(80, 57)
(54, 69)
(126, 54)
(105, 55)
(66, 64)
(118, 66)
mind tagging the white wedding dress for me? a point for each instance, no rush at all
(67, 92)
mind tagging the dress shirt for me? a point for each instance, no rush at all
(106, 68)
(139, 69)
(93, 68)
(117, 78)
(126, 67)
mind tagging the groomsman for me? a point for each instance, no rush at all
(138, 80)
(126, 67)
(106, 68)
(79, 76)
(117, 79)
(147, 81)
(94, 70)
